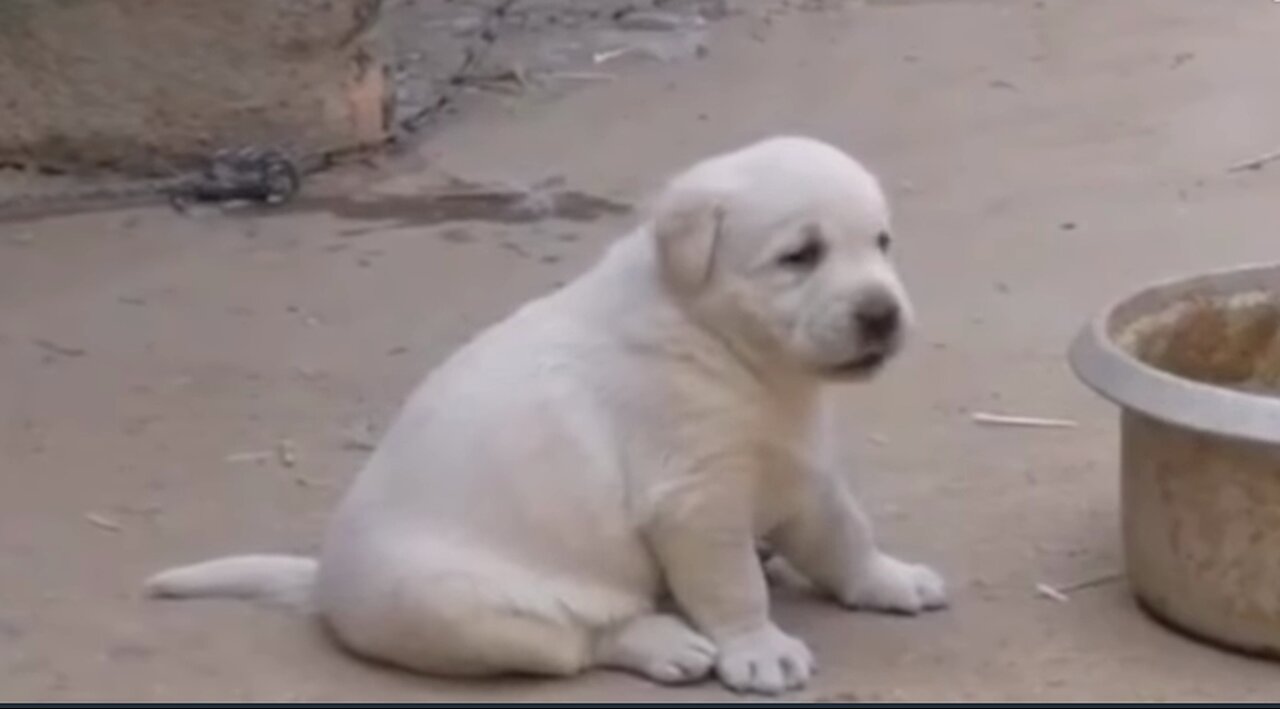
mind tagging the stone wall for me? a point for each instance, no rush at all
(150, 86)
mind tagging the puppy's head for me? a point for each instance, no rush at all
(783, 247)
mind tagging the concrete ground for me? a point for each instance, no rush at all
(1044, 158)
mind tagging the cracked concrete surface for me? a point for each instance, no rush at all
(1044, 157)
(442, 51)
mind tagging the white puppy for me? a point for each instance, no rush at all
(626, 442)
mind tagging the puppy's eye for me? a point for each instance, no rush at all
(884, 241)
(806, 257)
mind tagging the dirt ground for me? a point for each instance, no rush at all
(1044, 157)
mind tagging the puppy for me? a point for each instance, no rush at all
(585, 483)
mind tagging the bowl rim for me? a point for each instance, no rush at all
(1122, 378)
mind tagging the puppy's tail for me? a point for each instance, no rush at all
(271, 578)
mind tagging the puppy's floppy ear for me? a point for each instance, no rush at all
(686, 229)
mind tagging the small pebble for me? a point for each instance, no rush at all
(287, 452)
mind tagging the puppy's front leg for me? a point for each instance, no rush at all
(829, 540)
(703, 539)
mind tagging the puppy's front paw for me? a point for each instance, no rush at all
(765, 661)
(894, 586)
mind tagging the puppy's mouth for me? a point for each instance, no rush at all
(864, 365)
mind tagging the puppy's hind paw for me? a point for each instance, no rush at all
(661, 647)
(890, 585)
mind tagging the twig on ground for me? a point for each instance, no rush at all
(1093, 582)
(249, 457)
(989, 419)
(103, 522)
(611, 54)
(1061, 594)
(1256, 163)
(1051, 593)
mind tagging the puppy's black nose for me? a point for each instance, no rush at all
(878, 317)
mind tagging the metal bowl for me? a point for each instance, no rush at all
(1195, 366)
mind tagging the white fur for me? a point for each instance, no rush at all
(273, 578)
(634, 434)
